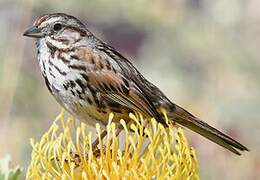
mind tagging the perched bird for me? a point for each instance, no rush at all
(90, 79)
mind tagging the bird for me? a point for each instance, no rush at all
(90, 79)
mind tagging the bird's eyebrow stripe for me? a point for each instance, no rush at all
(44, 19)
(40, 20)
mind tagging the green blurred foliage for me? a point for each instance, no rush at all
(203, 54)
(6, 173)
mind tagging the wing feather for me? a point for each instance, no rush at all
(113, 80)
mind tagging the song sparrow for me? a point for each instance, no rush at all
(90, 79)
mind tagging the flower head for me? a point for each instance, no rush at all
(65, 151)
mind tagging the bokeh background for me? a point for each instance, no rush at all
(203, 54)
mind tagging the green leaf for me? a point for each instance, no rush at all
(6, 173)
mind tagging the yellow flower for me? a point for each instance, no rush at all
(65, 152)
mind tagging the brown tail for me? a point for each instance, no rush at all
(184, 118)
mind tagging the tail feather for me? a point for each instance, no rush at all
(186, 119)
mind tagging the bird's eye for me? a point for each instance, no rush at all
(57, 27)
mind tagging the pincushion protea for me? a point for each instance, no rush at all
(65, 152)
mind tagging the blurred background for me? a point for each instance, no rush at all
(203, 54)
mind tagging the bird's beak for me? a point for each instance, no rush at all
(34, 32)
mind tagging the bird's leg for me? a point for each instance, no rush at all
(96, 151)
(118, 131)
(95, 143)
(103, 134)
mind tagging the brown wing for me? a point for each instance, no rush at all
(108, 78)
(113, 87)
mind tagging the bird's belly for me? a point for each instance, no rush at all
(81, 106)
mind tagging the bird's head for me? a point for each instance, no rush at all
(57, 28)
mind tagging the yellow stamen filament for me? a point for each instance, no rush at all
(65, 152)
